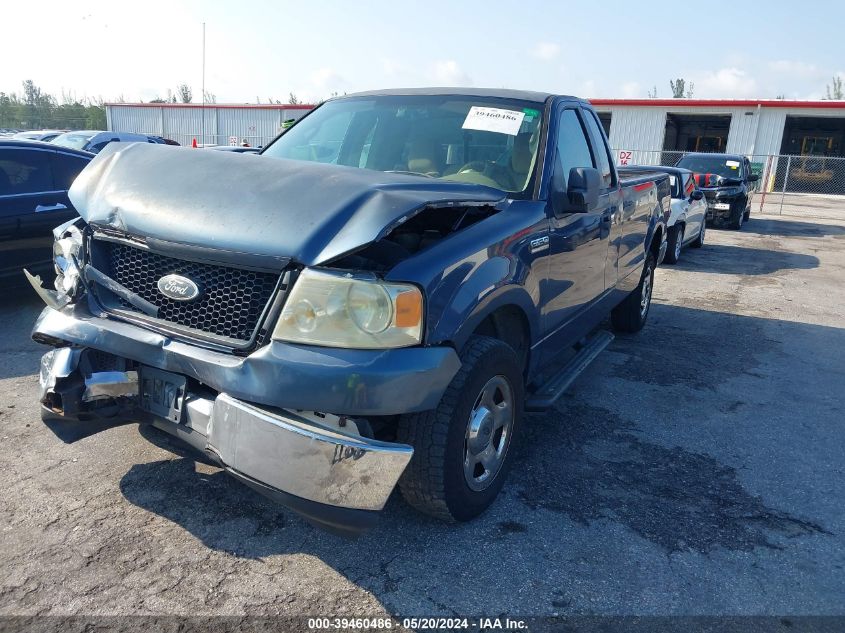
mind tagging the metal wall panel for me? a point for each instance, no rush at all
(126, 118)
(770, 131)
(637, 128)
(185, 124)
(257, 126)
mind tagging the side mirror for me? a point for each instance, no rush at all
(753, 178)
(582, 192)
(696, 195)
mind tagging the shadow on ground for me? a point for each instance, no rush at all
(19, 307)
(582, 462)
(791, 228)
(740, 260)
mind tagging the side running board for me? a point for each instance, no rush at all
(546, 395)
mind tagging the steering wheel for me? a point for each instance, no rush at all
(475, 165)
(410, 173)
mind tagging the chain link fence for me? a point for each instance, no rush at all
(215, 139)
(808, 186)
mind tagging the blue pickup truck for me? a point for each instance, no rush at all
(374, 300)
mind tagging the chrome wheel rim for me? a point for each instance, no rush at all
(645, 297)
(488, 433)
(678, 243)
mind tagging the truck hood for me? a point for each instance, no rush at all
(308, 212)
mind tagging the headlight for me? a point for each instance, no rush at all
(342, 310)
(66, 251)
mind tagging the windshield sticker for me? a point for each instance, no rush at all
(530, 114)
(733, 164)
(493, 120)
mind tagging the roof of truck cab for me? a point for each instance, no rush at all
(500, 93)
(718, 154)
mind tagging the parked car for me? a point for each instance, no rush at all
(38, 135)
(237, 149)
(726, 181)
(93, 140)
(686, 221)
(372, 303)
(34, 179)
(162, 140)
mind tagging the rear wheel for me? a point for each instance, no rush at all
(631, 314)
(675, 243)
(463, 448)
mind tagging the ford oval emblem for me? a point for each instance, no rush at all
(178, 288)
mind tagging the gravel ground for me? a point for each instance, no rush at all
(695, 468)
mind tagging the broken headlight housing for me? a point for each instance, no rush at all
(67, 256)
(337, 309)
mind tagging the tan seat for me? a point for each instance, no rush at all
(422, 157)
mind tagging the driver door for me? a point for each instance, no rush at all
(578, 247)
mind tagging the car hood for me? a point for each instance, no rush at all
(308, 212)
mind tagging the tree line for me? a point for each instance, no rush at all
(35, 109)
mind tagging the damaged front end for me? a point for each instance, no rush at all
(328, 468)
(287, 353)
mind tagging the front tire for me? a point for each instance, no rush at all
(463, 449)
(736, 223)
(675, 243)
(630, 315)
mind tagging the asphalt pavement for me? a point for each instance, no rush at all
(695, 468)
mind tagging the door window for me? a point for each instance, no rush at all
(66, 168)
(602, 157)
(573, 150)
(25, 171)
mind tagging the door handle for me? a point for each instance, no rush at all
(50, 207)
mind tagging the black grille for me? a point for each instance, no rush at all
(231, 300)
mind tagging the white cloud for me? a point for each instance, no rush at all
(326, 78)
(392, 67)
(728, 83)
(588, 89)
(631, 89)
(546, 51)
(449, 73)
(791, 67)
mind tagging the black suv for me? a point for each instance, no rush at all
(726, 181)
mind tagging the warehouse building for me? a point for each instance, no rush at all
(750, 127)
(793, 145)
(641, 131)
(213, 124)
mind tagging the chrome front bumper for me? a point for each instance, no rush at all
(321, 468)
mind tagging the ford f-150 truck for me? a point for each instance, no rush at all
(373, 300)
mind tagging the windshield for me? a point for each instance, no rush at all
(715, 164)
(475, 140)
(76, 141)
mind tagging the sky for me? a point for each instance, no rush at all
(257, 50)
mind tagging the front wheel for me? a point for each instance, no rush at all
(463, 448)
(736, 223)
(631, 314)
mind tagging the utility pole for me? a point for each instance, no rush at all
(202, 109)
